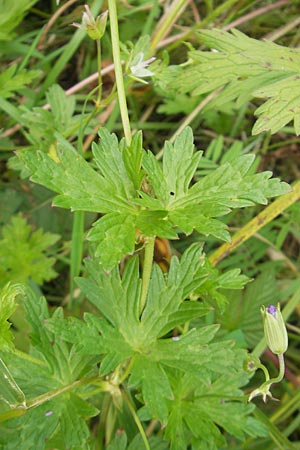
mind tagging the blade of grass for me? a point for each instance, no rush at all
(264, 217)
(31, 51)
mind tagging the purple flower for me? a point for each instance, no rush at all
(272, 310)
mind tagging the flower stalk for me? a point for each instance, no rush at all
(277, 341)
(114, 31)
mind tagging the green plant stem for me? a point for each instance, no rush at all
(265, 371)
(270, 381)
(76, 251)
(39, 400)
(98, 43)
(136, 419)
(166, 21)
(281, 370)
(114, 31)
(126, 371)
(148, 261)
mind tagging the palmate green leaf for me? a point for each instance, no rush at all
(73, 426)
(115, 297)
(67, 173)
(52, 365)
(118, 298)
(202, 405)
(282, 106)
(109, 160)
(122, 334)
(62, 107)
(62, 419)
(12, 80)
(93, 337)
(43, 124)
(115, 233)
(232, 185)
(31, 430)
(132, 157)
(179, 165)
(155, 385)
(247, 68)
(23, 253)
(110, 190)
(131, 208)
(56, 354)
(190, 218)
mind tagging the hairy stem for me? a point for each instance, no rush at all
(114, 31)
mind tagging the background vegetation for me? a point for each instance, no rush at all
(241, 98)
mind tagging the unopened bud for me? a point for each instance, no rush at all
(274, 328)
(94, 28)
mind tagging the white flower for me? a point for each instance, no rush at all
(138, 69)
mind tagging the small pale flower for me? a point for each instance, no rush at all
(138, 68)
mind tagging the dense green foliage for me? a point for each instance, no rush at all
(133, 269)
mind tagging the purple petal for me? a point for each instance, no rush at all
(272, 310)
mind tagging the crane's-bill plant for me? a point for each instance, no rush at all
(146, 353)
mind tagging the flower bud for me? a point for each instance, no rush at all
(275, 330)
(94, 28)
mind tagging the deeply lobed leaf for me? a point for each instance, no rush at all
(246, 68)
(168, 198)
